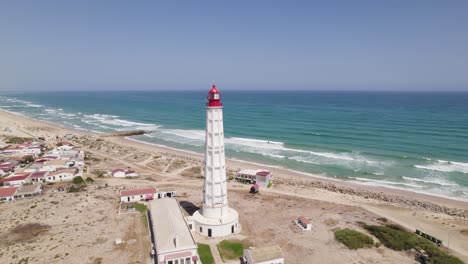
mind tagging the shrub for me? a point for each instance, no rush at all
(78, 180)
(99, 173)
(269, 185)
(73, 189)
(397, 238)
(89, 179)
(353, 239)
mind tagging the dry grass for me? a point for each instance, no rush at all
(24, 233)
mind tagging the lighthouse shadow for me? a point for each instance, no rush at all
(189, 207)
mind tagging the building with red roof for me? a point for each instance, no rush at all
(261, 177)
(7, 193)
(304, 223)
(17, 179)
(38, 176)
(136, 195)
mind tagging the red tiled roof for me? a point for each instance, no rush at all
(263, 173)
(304, 220)
(150, 190)
(15, 178)
(38, 174)
(8, 191)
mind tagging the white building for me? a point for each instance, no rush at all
(32, 151)
(16, 179)
(26, 191)
(8, 193)
(174, 243)
(54, 165)
(215, 218)
(261, 177)
(136, 195)
(263, 255)
(304, 223)
(121, 173)
(61, 175)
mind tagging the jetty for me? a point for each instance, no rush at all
(126, 133)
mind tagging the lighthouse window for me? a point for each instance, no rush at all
(216, 96)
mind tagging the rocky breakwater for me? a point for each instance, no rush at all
(126, 133)
(380, 196)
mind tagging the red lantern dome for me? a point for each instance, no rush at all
(214, 97)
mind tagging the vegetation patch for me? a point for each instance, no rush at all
(78, 180)
(398, 238)
(229, 249)
(140, 208)
(76, 188)
(99, 173)
(17, 140)
(204, 251)
(353, 239)
(464, 232)
(23, 233)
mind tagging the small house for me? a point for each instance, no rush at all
(61, 175)
(262, 177)
(38, 176)
(127, 196)
(121, 173)
(26, 191)
(8, 193)
(304, 223)
(16, 179)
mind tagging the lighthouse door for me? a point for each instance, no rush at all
(209, 232)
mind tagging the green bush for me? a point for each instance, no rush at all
(89, 179)
(353, 239)
(205, 254)
(78, 180)
(73, 189)
(397, 238)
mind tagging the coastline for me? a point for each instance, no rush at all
(435, 215)
(277, 171)
(285, 173)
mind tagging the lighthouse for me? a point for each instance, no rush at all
(215, 218)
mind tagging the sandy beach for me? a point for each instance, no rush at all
(328, 203)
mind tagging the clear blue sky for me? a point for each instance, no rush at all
(317, 45)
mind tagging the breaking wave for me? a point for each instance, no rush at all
(430, 181)
(445, 166)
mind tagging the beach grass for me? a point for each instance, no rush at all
(140, 208)
(398, 238)
(229, 249)
(205, 254)
(353, 239)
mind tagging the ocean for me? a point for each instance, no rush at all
(412, 141)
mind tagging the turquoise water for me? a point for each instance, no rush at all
(414, 141)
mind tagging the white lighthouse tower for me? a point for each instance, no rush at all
(215, 218)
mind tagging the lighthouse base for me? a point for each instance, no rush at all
(226, 225)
